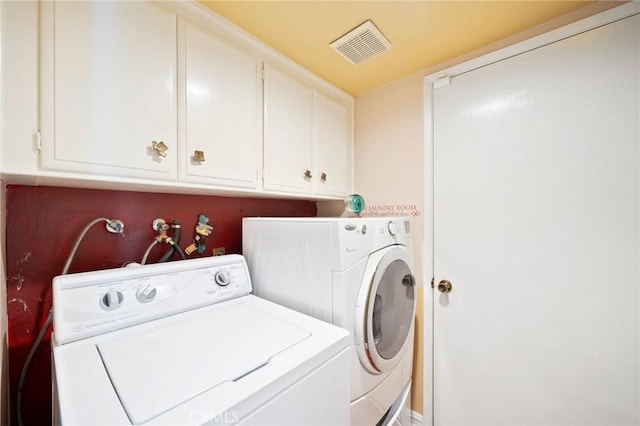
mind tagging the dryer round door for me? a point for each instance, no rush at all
(385, 309)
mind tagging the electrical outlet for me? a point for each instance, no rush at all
(219, 251)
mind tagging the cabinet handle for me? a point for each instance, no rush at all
(307, 174)
(323, 177)
(198, 156)
(160, 148)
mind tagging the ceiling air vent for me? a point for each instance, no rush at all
(362, 43)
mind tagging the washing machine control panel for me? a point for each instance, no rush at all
(95, 302)
(358, 237)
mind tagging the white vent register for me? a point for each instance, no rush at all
(362, 43)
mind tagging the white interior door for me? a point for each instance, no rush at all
(536, 225)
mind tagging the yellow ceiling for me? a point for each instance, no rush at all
(423, 33)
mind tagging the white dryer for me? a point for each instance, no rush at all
(355, 273)
(185, 343)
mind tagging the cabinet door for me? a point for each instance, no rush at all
(332, 147)
(108, 75)
(288, 133)
(222, 109)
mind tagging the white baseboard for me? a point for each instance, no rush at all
(416, 419)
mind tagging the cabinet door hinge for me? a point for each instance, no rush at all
(37, 140)
(432, 281)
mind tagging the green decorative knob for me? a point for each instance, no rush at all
(354, 203)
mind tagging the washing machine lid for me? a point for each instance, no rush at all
(153, 371)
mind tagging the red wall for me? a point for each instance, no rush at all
(44, 222)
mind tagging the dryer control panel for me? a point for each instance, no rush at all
(92, 303)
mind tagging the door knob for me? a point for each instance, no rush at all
(307, 174)
(444, 286)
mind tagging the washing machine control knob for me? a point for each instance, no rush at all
(393, 228)
(112, 300)
(223, 278)
(146, 294)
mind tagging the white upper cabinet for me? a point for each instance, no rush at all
(288, 132)
(332, 152)
(108, 88)
(220, 110)
(307, 137)
(164, 96)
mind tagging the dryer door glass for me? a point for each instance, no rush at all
(393, 309)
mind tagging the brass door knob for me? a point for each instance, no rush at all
(323, 177)
(307, 174)
(444, 286)
(160, 148)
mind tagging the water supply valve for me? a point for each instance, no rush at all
(160, 225)
(202, 230)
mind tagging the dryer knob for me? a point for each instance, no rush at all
(393, 228)
(223, 278)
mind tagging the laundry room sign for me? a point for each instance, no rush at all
(377, 210)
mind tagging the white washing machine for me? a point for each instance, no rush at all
(185, 343)
(355, 273)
